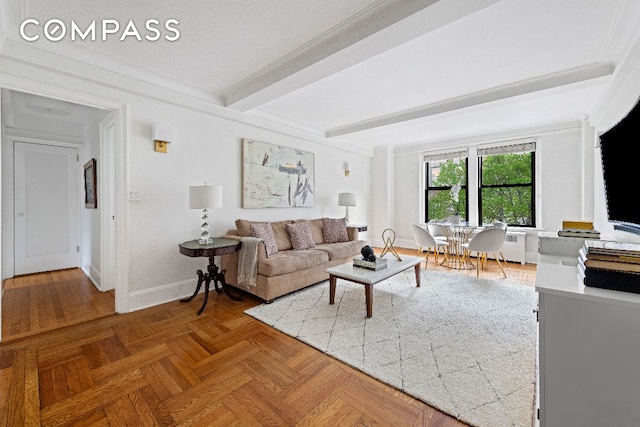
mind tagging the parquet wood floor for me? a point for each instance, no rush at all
(40, 302)
(167, 366)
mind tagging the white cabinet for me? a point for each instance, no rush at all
(589, 352)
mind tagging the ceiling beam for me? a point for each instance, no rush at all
(589, 74)
(383, 26)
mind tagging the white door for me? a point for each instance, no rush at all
(46, 207)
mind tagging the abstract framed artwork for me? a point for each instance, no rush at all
(274, 176)
(90, 185)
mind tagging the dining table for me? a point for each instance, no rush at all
(456, 235)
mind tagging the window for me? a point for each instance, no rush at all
(446, 186)
(506, 184)
(501, 187)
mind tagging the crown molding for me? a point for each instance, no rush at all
(615, 103)
(491, 137)
(287, 121)
(16, 74)
(349, 144)
(99, 67)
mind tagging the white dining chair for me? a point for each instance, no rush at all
(503, 226)
(439, 232)
(426, 242)
(500, 224)
(489, 240)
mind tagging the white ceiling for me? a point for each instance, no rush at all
(363, 73)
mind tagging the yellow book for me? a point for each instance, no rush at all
(582, 225)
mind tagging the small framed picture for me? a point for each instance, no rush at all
(90, 188)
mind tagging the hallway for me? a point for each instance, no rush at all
(40, 302)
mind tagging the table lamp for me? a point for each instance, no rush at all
(205, 197)
(346, 200)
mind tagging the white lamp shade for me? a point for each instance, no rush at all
(205, 196)
(162, 133)
(346, 199)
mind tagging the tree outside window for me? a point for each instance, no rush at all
(446, 193)
(507, 189)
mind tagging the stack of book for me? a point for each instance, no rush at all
(610, 265)
(376, 265)
(583, 229)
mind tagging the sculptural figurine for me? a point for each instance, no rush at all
(367, 253)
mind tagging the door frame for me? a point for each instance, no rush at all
(120, 168)
(106, 182)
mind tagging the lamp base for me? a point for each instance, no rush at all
(205, 241)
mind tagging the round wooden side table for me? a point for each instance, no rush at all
(219, 246)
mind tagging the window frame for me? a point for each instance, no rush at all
(531, 184)
(473, 154)
(428, 188)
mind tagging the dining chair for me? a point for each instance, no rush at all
(427, 242)
(439, 232)
(503, 226)
(489, 240)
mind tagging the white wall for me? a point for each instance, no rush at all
(560, 180)
(560, 170)
(206, 147)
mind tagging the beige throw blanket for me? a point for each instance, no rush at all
(248, 261)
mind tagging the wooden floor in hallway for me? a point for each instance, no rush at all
(41, 302)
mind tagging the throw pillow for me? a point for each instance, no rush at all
(300, 235)
(264, 231)
(334, 230)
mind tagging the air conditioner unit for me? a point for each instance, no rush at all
(514, 247)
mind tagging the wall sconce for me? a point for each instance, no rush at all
(162, 136)
(346, 168)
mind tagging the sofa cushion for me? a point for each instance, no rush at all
(279, 232)
(244, 227)
(291, 261)
(316, 229)
(334, 230)
(264, 231)
(282, 235)
(342, 249)
(300, 235)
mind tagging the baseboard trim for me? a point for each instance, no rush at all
(146, 298)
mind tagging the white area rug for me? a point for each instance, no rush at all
(463, 345)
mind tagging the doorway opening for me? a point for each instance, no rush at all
(58, 252)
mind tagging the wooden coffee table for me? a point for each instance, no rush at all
(368, 278)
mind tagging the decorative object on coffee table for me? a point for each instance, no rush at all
(369, 260)
(389, 238)
(367, 253)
